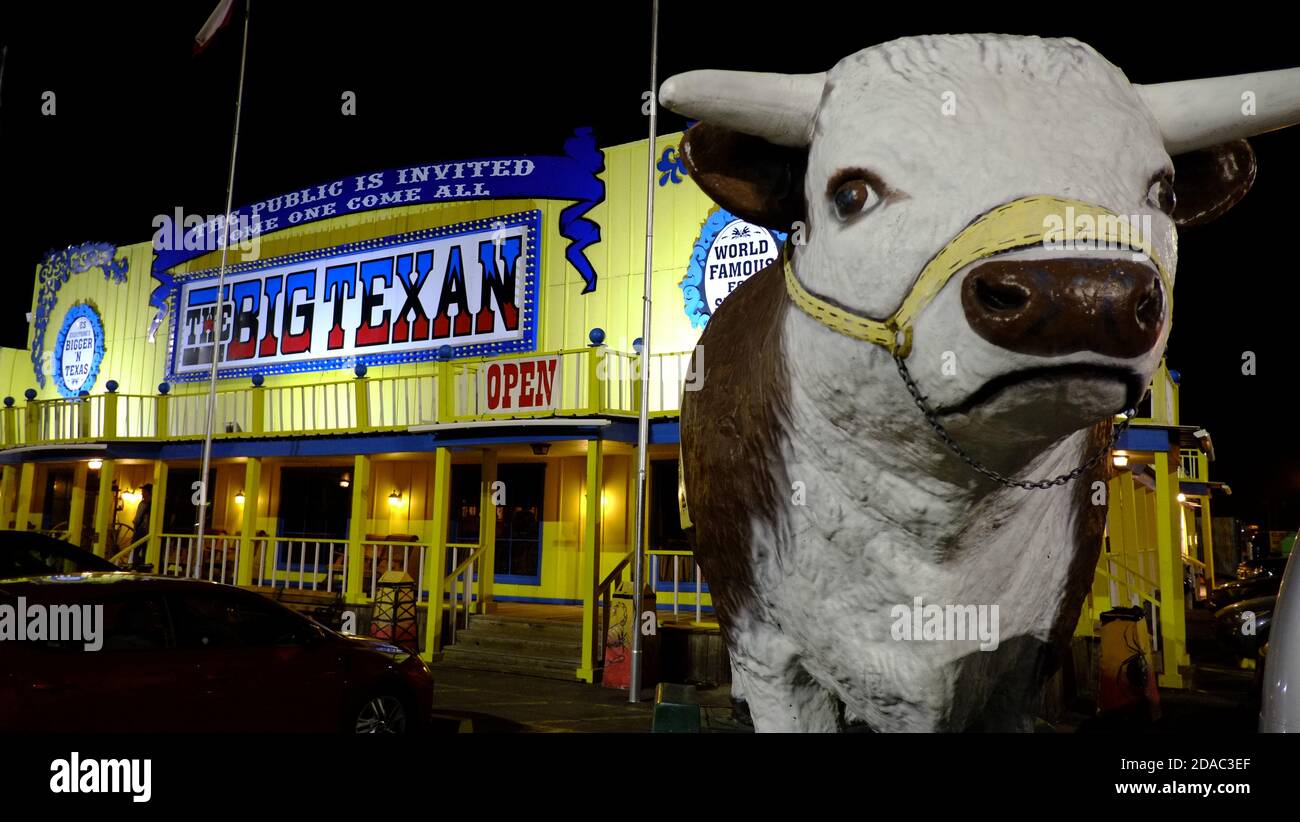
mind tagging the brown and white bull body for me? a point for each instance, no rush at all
(822, 499)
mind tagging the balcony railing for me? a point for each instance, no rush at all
(1192, 465)
(593, 381)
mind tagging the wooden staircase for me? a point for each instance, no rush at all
(517, 645)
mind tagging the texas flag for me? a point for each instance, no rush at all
(216, 22)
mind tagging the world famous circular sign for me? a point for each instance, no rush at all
(728, 252)
(78, 350)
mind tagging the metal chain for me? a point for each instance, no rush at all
(1002, 479)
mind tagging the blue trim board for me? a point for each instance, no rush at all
(668, 606)
(1144, 439)
(1194, 489)
(537, 600)
(662, 432)
(345, 445)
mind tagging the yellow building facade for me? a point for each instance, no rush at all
(358, 431)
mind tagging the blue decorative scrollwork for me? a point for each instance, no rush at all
(57, 268)
(672, 166)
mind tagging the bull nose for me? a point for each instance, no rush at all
(1114, 307)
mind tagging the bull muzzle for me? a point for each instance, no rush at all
(1114, 307)
(1115, 304)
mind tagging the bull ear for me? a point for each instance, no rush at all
(750, 177)
(1209, 182)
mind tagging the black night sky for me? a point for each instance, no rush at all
(143, 127)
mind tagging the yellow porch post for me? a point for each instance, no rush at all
(105, 512)
(157, 507)
(248, 521)
(487, 531)
(1173, 628)
(1207, 539)
(590, 575)
(353, 592)
(1130, 539)
(77, 510)
(26, 487)
(435, 568)
(8, 495)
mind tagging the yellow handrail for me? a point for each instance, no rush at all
(127, 551)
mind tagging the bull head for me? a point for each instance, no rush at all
(885, 180)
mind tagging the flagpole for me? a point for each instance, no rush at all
(4, 56)
(217, 322)
(643, 424)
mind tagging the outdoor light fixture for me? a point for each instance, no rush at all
(239, 497)
(133, 496)
(541, 448)
(346, 481)
(95, 464)
(1182, 497)
(395, 498)
(1119, 460)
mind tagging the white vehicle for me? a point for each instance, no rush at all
(1280, 712)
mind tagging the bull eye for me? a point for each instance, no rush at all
(1161, 195)
(856, 196)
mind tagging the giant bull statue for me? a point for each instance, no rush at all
(913, 405)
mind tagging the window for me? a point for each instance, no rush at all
(129, 624)
(216, 621)
(58, 499)
(134, 624)
(19, 559)
(666, 533)
(180, 514)
(518, 554)
(313, 504)
(462, 525)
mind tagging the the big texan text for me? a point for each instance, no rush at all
(407, 297)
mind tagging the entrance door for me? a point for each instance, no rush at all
(58, 500)
(518, 558)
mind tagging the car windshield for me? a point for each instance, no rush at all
(25, 558)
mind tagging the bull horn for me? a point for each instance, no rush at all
(776, 107)
(1196, 114)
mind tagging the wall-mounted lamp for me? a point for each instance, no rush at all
(133, 496)
(1119, 460)
(395, 498)
(239, 497)
(541, 449)
(346, 481)
(95, 464)
(1182, 497)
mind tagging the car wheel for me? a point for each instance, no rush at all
(381, 714)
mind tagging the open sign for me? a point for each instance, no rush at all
(522, 385)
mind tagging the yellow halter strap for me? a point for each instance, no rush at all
(1029, 221)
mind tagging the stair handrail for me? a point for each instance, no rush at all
(126, 552)
(450, 580)
(604, 596)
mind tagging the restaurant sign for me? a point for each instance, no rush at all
(470, 286)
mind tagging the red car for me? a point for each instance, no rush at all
(185, 655)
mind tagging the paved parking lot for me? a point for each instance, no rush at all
(470, 701)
